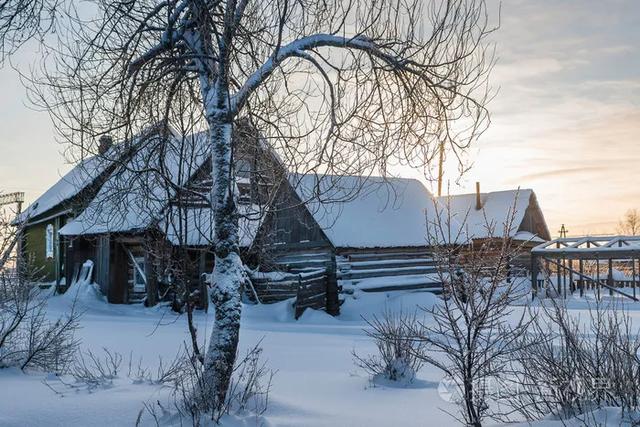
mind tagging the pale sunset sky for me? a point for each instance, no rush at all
(565, 120)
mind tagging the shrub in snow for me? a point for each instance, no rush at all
(399, 355)
(91, 371)
(568, 367)
(400, 370)
(471, 334)
(28, 340)
(95, 371)
(248, 391)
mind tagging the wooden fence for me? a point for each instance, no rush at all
(309, 289)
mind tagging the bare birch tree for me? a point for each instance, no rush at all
(335, 87)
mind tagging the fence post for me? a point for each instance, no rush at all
(564, 277)
(610, 277)
(581, 267)
(534, 276)
(633, 275)
(572, 284)
(333, 299)
(598, 276)
(298, 302)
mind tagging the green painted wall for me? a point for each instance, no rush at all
(35, 251)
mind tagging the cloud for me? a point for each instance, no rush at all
(557, 173)
(567, 117)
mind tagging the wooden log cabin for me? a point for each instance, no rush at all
(139, 213)
(484, 218)
(369, 232)
(132, 207)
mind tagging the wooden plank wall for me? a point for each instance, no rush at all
(312, 293)
(102, 263)
(309, 290)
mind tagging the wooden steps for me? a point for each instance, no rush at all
(305, 261)
(433, 287)
(391, 263)
(384, 272)
(387, 271)
(377, 256)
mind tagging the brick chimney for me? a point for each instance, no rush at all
(478, 200)
(104, 143)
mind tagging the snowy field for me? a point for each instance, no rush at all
(316, 384)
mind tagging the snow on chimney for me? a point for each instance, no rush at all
(105, 142)
(478, 201)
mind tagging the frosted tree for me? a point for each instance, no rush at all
(334, 87)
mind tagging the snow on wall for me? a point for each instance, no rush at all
(135, 195)
(366, 212)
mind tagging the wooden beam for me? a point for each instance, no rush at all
(534, 276)
(633, 272)
(582, 282)
(591, 279)
(598, 276)
(610, 276)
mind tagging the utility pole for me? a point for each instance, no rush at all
(440, 168)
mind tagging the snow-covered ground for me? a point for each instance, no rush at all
(316, 384)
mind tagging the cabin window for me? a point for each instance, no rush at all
(139, 279)
(48, 241)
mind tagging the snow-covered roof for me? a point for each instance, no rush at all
(136, 193)
(499, 209)
(366, 212)
(195, 227)
(73, 182)
(527, 236)
(590, 247)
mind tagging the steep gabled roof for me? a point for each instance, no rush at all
(80, 177)
(498, 209)
(194, 226)
(366, 212)
(136, 193)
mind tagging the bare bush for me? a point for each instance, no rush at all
(399, 355)
(91, 371)
(95, 371)
(251, 383)
(28, 340)
(248, 391)
(571, 367)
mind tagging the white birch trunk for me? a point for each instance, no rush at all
(227, 273)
